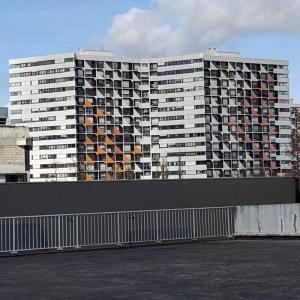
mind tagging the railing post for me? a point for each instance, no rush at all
(14, 237)
(59, 233)
(157, 228)
(228, 222)
(77, 232)
(194, 224)
(118, 229)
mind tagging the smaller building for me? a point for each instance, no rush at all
(3, 115)
(14, 154)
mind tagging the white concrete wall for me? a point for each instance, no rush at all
(262, 220)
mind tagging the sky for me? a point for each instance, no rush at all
(149, 28)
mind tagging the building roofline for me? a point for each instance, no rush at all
(210, 54)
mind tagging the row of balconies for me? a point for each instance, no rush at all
(90, 102)
(112, 93)
(242, 164)
(112, 65)
(224, 65)
(251, 93)
(239, 84)
(241, 75)
(127, 175)
(108, 83)
(256, 146)
(242, 173)
(260, 108)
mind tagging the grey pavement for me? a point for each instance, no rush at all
(238, 269)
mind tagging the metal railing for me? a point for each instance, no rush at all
(48, 232)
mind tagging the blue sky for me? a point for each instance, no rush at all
(37, 27)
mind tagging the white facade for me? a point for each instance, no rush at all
(42, 97)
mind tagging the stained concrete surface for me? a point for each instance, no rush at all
(241, 269)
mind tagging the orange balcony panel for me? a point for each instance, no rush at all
(88, 141)
(109, 177)
(118, 169)
(100, 113)
(100, 131)
(264, 121)
(108, 141)
(137, 150)
(100, 150)
(109, 160)
(88, 159)
(88, 122)
(118, 150)
(126, 159)
(117, 132)
(87, 103)
(89, 177)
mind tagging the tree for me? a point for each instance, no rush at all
(294, 148)
(179, 166)
(164, 169)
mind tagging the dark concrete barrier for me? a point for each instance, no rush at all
(21, 199)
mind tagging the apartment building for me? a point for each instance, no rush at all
(94, 116)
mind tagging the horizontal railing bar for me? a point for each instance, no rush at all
(73, 231)
(117, 212)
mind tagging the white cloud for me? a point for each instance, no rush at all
(184, 26)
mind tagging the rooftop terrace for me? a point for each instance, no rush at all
(232, 269)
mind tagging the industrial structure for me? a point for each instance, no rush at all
(93, 116)
(14, 154)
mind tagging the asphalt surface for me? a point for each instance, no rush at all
(254, 269)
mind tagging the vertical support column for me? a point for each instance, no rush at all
(194, 224)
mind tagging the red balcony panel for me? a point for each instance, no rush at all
(253, 95)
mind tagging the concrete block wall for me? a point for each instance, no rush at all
(12, 152)
(268, 220)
